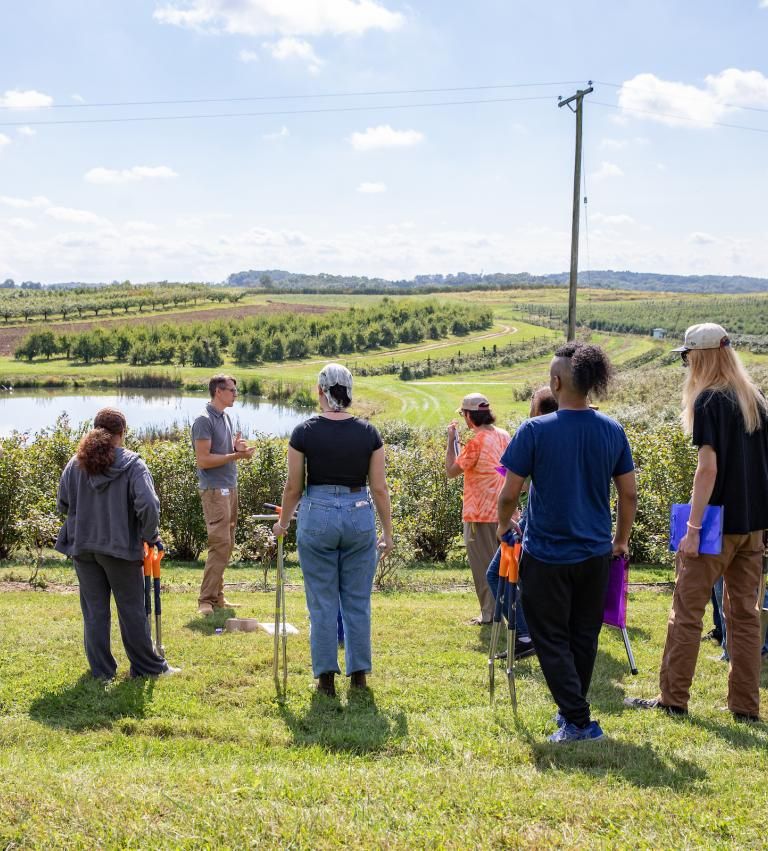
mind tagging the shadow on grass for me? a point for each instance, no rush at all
(744, 736)
(89, 704)
(639, 765)
(208, 625)
(358, 727)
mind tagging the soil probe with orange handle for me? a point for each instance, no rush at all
(153, 555)
(508, 568)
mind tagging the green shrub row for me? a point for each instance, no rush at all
(426, 505)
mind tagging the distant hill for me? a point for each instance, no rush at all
(278, 280)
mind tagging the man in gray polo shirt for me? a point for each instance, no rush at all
(216, 453)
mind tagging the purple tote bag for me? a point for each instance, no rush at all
(615, 613)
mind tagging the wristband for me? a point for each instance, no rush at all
(280, 526)
(691, 526)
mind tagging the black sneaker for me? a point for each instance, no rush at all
(746, 718)
(714, 634)
(654, 703)
(523, 649)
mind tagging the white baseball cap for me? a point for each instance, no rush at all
(707, 335)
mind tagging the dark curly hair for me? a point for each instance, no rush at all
(591, 370)
(96, 452)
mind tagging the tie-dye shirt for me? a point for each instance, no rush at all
(482, 482)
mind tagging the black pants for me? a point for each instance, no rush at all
(100, 576)
(564, 608)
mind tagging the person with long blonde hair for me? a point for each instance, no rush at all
(726, 415)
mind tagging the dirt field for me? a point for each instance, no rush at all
(11, 337)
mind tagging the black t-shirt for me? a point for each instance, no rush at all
(742, 461)
(338, 452)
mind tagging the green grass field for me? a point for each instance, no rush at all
(210, 759)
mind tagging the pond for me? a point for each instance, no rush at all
(145, 410)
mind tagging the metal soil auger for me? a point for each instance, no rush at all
(508, 574)
(281, 631)
(153, 555)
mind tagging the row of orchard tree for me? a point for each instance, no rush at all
(82, 302)
(270, 337)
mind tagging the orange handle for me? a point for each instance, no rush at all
(157, 557)
(147, 560)
(510, 560)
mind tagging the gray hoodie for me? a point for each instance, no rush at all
(110, 513)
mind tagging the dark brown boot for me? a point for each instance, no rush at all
(357, 680)
(326, 684)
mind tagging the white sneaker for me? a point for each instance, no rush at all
(169, 671)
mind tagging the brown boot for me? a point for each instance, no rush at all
(326, 684)
(357, 680)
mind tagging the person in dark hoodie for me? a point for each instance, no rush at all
(111, 508)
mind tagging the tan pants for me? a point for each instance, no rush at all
(740, 563)
(220, 512)
(480, 541)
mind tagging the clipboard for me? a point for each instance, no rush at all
(711, 535)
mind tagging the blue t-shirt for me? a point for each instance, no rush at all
(571, 457)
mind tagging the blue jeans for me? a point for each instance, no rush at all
(336, 537)
(717, 605)
(492, 577)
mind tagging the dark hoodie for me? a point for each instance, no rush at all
(111, 513)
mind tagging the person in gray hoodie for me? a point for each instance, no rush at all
(111, 508)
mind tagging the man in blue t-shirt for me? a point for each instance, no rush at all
(571, 456)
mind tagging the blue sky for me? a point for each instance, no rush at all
(366, 187)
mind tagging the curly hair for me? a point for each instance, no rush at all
(96, 451)
(591, 371)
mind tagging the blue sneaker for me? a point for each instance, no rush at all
(560, 720)
(572, 733)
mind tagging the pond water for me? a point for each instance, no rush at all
(31, 411)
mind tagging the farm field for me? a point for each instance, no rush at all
(426, 401)
(209, 756)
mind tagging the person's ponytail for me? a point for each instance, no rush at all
(96, 451)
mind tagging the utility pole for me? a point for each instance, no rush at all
(578, 97)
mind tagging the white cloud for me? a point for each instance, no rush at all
(287, 49)
(615, 219)
(138, 226)
(4, 140)
(282, 133)
(764, 4)
(282, 17)
(248, 56)
(129, 175)
(19, 223)
(79, 217)
(384, 136)
(613, 144)
(607, 170)
(26, 131)
(679, 104)
(372, 188)
(30, 99)
(25, 203)
(78, 98)
(700, 238)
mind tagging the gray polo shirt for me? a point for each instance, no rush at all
(215, 426)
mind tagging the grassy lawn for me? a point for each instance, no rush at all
(210, 759)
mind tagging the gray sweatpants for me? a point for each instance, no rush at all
(100, 576)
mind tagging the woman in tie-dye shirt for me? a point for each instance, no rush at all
(478, 461)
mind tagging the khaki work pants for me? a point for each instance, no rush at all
(480, 541)
(220, 512)
(740, 563)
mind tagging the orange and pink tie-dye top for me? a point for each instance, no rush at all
(482, 483)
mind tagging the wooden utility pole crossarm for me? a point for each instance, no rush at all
(578, 98)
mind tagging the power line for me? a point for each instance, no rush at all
(678, 117)
(303, 96)
(655, 91)
(280, 112)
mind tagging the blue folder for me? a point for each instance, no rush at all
(711, 535)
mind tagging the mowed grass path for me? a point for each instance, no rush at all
(210, 759)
